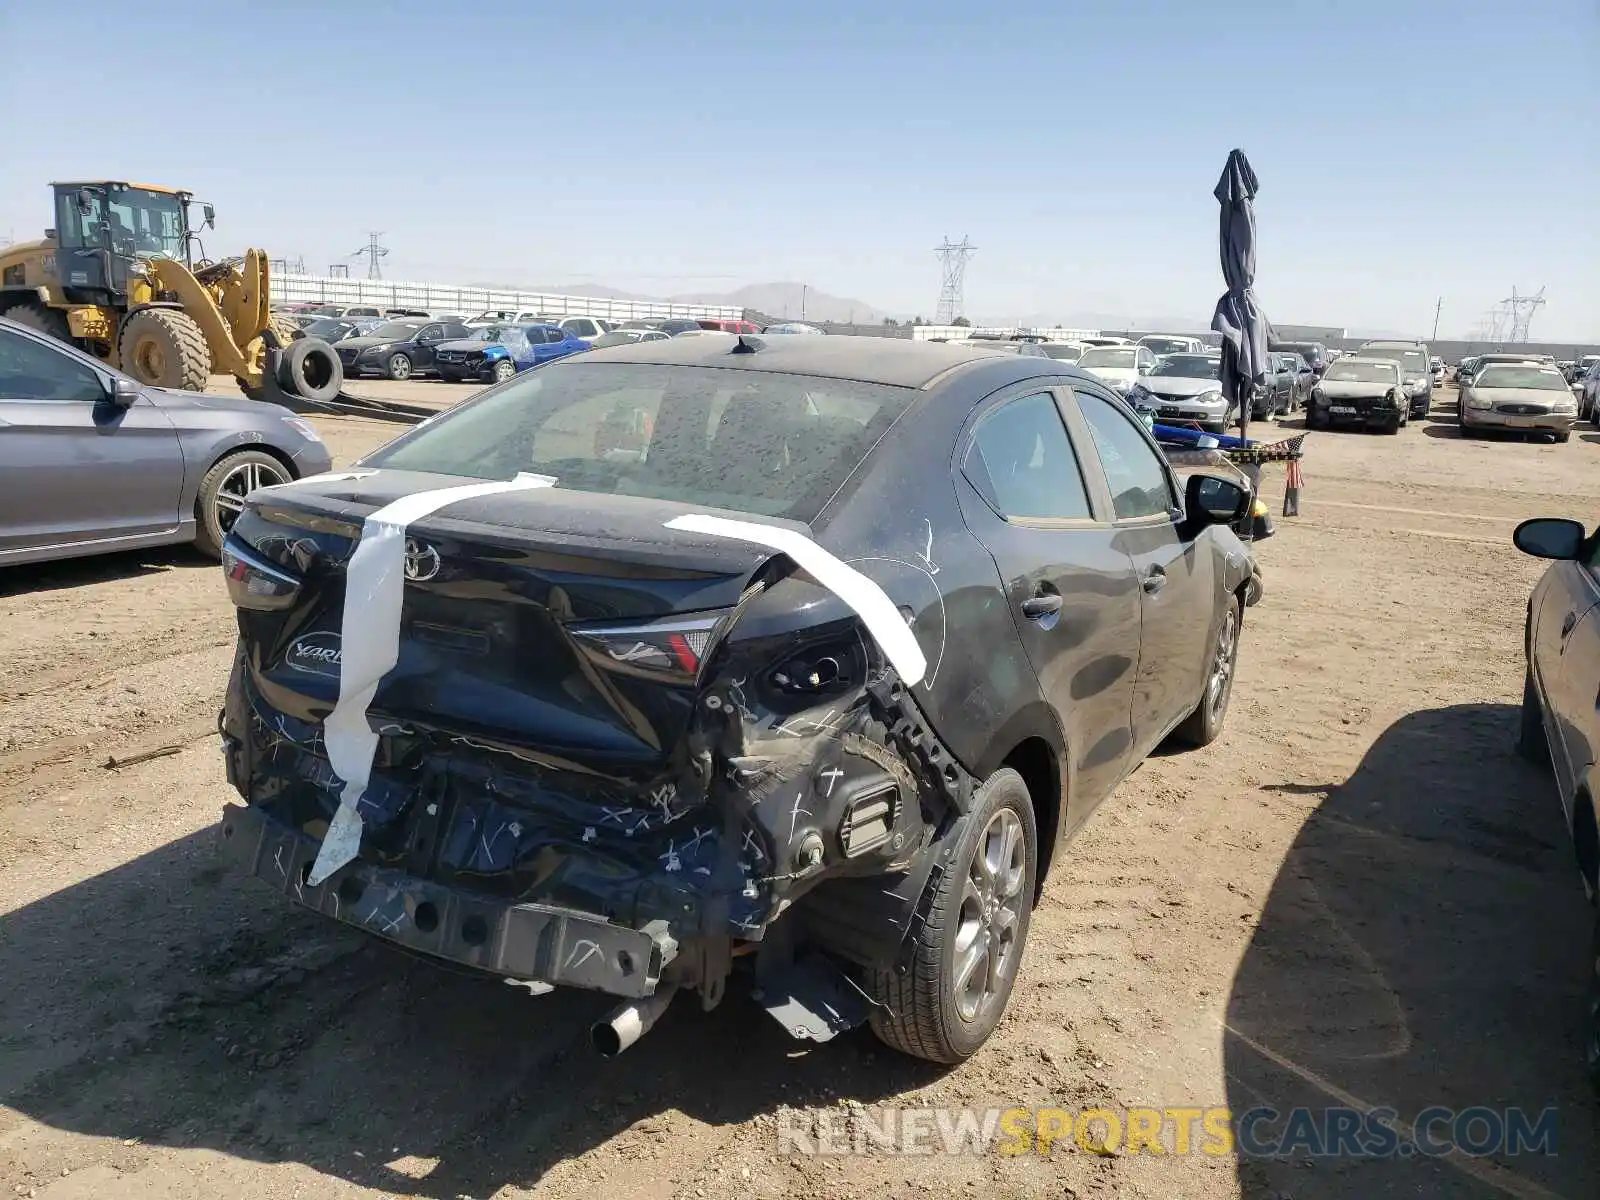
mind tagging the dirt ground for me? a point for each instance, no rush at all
(1358, 896)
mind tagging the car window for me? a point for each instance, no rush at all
(780, 446)
(1138, 477)
(32, 371)
(1022, 462)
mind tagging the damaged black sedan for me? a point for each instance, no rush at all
(800, 658)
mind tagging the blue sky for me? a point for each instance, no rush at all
(1407, 150)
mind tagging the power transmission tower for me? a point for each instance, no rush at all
(953, 260)
(372, 252)
(1521, 309)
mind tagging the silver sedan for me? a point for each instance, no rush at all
(93, 461)
(1528, 397)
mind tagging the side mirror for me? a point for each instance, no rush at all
(123, 392)
(1210, 500)
(1550, 537)
(210, 215)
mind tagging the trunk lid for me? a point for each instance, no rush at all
(498, 589)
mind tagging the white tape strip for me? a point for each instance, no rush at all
(369, 635)
(870, 602)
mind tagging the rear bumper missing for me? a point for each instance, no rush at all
(540, 942)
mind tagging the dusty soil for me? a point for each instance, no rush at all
(1357, 896)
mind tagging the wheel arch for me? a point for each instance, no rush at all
(1586, 838)
(1032, 745)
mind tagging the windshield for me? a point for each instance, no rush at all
(136, 222)
(330, 329)
(617, 337)
(1189, 366)
(1057, 350)
(1413, 362)
(396, 331)
(777, 445)
(1542, 378)
(1107, 356)
(490, 334)
(1349, 371)
(1165, 345)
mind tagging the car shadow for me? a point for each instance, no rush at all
(167, 1003)
(1424, 943)
(1592, 438)
(99, 568)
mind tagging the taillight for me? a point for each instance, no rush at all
(670, 650)
(253, 582)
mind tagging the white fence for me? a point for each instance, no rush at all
(957, 333)
(469, 301)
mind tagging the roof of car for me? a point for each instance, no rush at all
(895, 361)
(1375, 362)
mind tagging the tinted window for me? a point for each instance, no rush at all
(1022, 463)
(457, 332)
(396, 331)
(1188, 366)
(777, 445)
(1134, 469)
(31, 371)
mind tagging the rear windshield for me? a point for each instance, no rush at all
(1107, 356)
(1163, 345)
(776, 445)
(1496, 376)
(1414, 362)
(1346, 371)
(1060, 350)
(1189, 366)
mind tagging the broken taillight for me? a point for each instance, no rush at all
(254, 582)
(671, 649)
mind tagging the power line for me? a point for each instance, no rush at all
(1520, 309)
(953, 258)
(372, 252)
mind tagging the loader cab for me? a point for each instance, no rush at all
(102, 228)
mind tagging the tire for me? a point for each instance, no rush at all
(1392, 426)
(398, 368)
(38, 317)
(1532, 743)
(504, 370)
(1564, 435)
(925, 1012)
(223, 490)
(309, 368)
(1591, 1026)
(1313, 421)
(1204, 725)
(164, 348)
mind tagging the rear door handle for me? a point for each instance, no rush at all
(1035, 607)
(1154, 580)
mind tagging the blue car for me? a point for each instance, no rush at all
(497, 352)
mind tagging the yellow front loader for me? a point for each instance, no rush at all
(116, 275)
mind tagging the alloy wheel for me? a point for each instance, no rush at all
(399, 367)
(239, 483)
(1218, 687)
(986, 947)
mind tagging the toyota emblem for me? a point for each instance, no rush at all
(422, 561)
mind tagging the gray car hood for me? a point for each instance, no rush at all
(1545, 396)
(1179, 385)
(1340, 389)
(170, 398)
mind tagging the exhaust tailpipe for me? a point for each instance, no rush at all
(629, 1022)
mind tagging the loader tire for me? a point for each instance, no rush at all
(37, 316)
(310, 369)
(164, 348)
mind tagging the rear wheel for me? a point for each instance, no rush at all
(165, 348)
(1591, 1028)
(399, 367)
(222, 494)
(37, 316)
(965, 957)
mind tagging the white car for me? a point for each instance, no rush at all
(1119, 367)
(1185, 387)
(1097, 340)
(587, 328)
(1162, 344)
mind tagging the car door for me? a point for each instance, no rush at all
(1563, 638)
(1072, 591)
(73, 466)
(1177, 576)
(424, 348)
(546, 342)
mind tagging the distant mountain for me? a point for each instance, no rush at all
(793, 300)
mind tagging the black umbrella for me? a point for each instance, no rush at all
(1246, 332)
